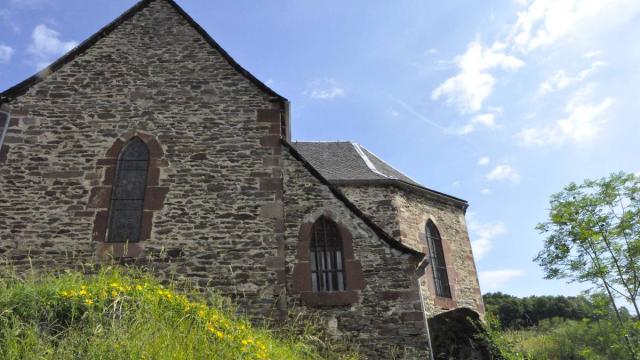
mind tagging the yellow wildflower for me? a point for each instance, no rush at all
(88, 301)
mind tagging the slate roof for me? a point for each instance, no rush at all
(386, 237)
(349, 162)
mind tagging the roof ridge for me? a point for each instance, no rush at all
(24, 86)
(367, 161)
(391, 166)
(324, 141)
(393, 242)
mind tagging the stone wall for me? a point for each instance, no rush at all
(225, 204)
(219, 135)
(387, 314)
(413, 210)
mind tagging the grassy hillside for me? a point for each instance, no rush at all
(118, 315)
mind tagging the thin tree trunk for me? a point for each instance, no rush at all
(615, 308)
(596, 260)
(617, 265)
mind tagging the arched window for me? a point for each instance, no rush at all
(438, 265)
(127, 197)
(327, 257)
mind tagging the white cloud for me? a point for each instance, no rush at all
(560, 80)
(582, 123)
(592, 54)
(6, 52)
(482, 235)
(486, 120)
(8, 19)
(485, 191)
(483, 161)
(325, 89)
(46, 45)
(474, 83)
(456, 184)
(504, 173)
(496, 279)
(546, 21)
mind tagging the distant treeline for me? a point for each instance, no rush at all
(518, 313)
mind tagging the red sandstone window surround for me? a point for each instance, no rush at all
(438, 263)
(327, 267)
(128, 195)
(326, 272)
(4, 126)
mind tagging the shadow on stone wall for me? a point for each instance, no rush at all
(460, 334)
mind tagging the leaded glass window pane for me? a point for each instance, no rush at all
(127, 197)
(438, 265)
(327, 265)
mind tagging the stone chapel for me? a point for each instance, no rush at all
(149, 143)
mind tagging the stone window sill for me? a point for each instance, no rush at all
(107, 250)
(444, 303)
(336, 298)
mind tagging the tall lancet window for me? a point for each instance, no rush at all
(438, 265)
(127, 197)
(327, 257)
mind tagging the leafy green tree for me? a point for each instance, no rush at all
(518, 313)
(593, 236)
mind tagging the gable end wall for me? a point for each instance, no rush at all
(219, 134)
(386, 315)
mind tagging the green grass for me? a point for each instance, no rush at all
(120, 314)
(560, 339)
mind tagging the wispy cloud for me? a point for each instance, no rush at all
(474, 83)
(496, 279)
(46, 45)
(325, 89)
(541, 23)
(411, 110)
(484, 161)
(8, 19)
(504, 173)
(547, 21)
(486, 120)
(582, 122)
(592, 54)
(485, 191)
(6, 53)
(560, 80)
(482, 235)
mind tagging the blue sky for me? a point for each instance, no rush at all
(501, 103)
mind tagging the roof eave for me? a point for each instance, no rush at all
(421, 190)
(390, 240)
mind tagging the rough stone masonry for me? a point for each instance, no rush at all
(229, 202)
